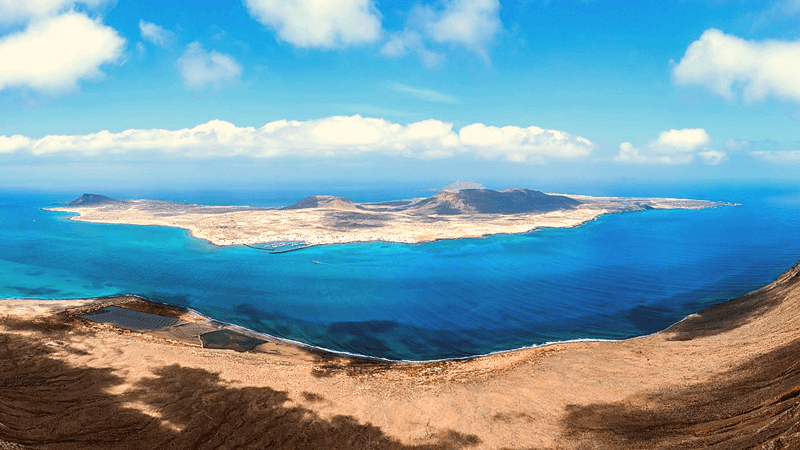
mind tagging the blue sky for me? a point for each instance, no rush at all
(102, 93)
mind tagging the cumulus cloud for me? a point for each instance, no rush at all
(680, 141)
(319, 24)
(672, 147)
(523, 144)
(778, 156)
(200, 68)
(472, 24)
(723, 63)
(53, 53)
(331, 137)
(22, 11)
(155, 34)
(10, 144)
(629, 153)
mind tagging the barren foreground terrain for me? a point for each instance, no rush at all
(321, 220)
(728, 377)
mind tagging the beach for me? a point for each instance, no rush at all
(725, 377)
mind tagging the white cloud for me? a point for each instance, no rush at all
(155, 34)
(411, 41)
(680, 141)
(10, 144)
(331, 137)
(469, 23)
(778, 156)
(423, 94)
(319, 24)
(22, 11)
(201, 68)
(672, 147)
(523, 144)
(723, 63)
(630, 154)
(472, 24)
(53, 53)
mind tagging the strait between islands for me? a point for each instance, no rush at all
(452, 213)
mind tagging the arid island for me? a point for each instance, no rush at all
(123, 373)
(452, 213)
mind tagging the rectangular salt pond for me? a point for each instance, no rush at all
(130, 319)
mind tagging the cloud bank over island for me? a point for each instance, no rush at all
(330, 137)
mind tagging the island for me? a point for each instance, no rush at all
(459, 210)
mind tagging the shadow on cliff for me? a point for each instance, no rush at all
(755, 405)
(737, 312)
(47, 403)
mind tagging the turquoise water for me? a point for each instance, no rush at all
(619, 276)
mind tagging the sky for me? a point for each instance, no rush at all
(102, 94)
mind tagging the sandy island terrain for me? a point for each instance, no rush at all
(321, 220)
(728, 377)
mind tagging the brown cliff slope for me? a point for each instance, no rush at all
(728, 377)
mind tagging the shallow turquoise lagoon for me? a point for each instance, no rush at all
(619, 276)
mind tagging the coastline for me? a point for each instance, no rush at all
(197, 234)
(726, 376)
(121, 299)
(337, 224)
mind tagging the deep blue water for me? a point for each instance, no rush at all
(619, 276)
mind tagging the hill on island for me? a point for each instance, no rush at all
(488, 201)
(323, 201)
(453, 200)
(91, 200)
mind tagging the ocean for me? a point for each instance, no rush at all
(619, 276)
